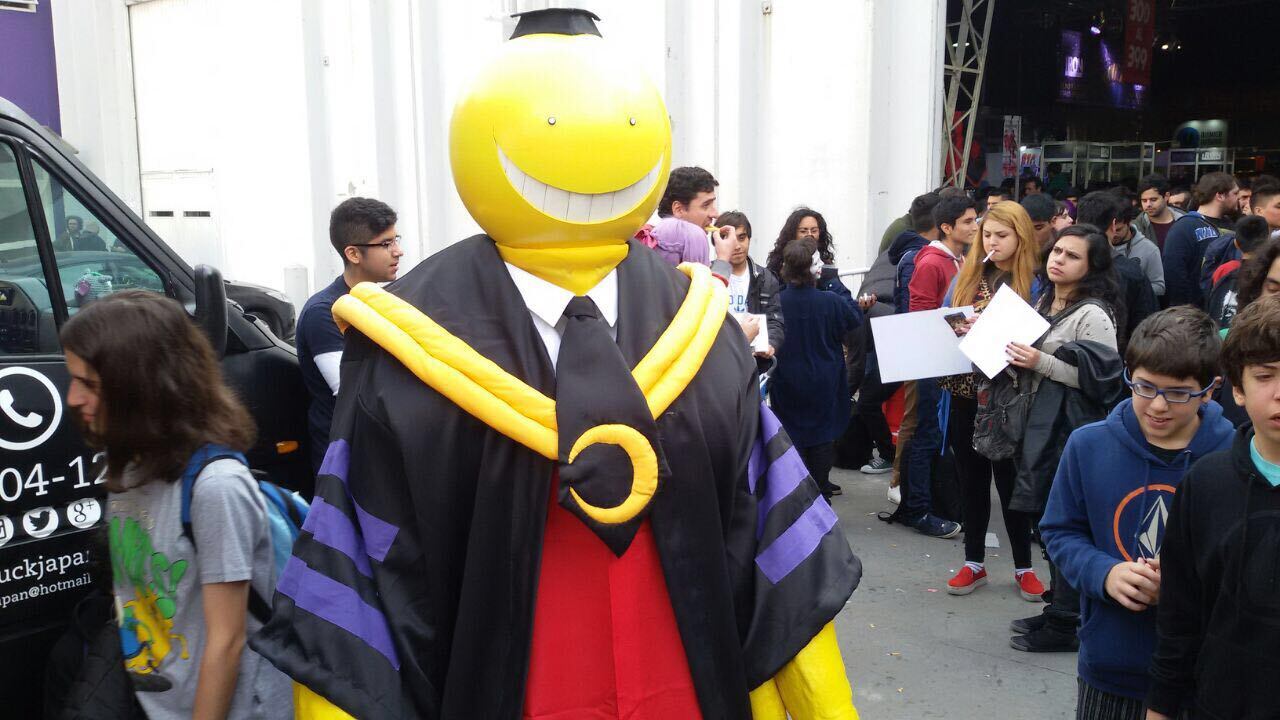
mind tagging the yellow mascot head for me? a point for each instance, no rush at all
(560, 146)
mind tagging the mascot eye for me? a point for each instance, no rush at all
(633, 122)
(551, 120)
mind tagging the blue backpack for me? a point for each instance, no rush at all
(286, 511)
(902, 279)
(1220, 250)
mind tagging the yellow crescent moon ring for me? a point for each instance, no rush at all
(644, 472)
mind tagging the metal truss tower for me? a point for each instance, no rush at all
(966, 63)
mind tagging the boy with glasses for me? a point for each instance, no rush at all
(1105, 520)
(363, 232)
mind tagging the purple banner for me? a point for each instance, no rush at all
(26, 42)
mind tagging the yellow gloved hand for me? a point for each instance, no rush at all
(307, 705)
(813, 686)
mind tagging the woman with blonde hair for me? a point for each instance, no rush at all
(1007, 255)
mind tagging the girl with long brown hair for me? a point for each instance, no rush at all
(147, 389)
(1007, 255)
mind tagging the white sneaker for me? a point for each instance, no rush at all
(895, 495)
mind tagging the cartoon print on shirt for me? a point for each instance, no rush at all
(146, 621)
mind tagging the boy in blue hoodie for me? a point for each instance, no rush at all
(1104, 523)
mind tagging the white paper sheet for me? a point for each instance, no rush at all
(1007, 319)
(761, 343)
(919, 345)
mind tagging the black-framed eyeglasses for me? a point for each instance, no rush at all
(385, 244)
(1174, 396)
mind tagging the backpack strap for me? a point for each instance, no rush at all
(196, 465)
(258, 606)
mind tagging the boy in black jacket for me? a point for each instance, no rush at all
(1218, 647)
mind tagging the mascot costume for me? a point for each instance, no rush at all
(552, 489)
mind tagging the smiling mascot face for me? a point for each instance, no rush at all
(560, 143)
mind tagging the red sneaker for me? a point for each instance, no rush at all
(966, 581)
(1030, 587)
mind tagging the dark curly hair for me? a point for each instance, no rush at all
(1099, 281)
(1254, 271)
(790, 228)
(160, 388)
(1254, 339)
(683, 185)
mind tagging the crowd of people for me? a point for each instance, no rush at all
(1137, 441)
(1088, 433)
(1140, 295)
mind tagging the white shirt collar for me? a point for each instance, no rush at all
(548, 300)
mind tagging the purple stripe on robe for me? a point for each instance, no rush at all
(769, 424)
(798, 541)
(337, 458)
(336, 603)
(331, 527)
(378, 533)
(784, 475)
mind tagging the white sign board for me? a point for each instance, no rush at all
(1007, 319)
(919, 345)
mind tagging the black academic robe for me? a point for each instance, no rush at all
(412, 588)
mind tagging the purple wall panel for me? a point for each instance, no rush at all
(28, 72)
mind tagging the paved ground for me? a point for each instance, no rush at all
(913, 651)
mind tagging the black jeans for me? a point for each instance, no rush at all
(869, 411)
(818, 460)
(975, 472)
(1063, 611)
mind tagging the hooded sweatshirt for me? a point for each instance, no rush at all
(1219, 616)
(935, 267)
(1108, 505)
(902, 254)
(1140, 248)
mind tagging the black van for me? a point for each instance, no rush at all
(52, 536)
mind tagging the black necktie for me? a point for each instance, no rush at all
(595, 390)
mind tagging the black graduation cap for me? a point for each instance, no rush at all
(556, 21)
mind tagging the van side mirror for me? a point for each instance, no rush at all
(211, 307)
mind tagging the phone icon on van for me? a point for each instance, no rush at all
(29, 420)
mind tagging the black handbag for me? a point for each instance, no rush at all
(1003, 406)
(85, 678)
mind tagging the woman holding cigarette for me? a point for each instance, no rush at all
(1007, 255)
(1075, 373)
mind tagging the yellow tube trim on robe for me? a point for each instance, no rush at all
(452, 351)
(576, 269)
(675, 339)
(449, 381)
(307, 705)
(509, 405)
(814, 685)
(644, 471)
(683, 369)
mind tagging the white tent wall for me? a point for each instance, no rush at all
(295, 105)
